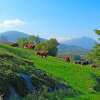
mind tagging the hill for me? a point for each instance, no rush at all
(73, 47)
(64, 49)
(83, 42)
(81, 79)
(19, 76)
(12, 36)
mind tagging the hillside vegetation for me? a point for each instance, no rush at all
(81, 78)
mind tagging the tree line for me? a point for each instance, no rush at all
(46, 45)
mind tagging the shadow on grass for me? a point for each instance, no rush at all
(96, 87)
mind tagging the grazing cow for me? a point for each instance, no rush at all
(29, 46)
(78, 62)
(67, 59)
(93, 65)
(42, 53)
(85, 63)
(14, 44)
(82, 62)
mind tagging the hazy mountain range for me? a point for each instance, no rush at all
(79, 46)
(64, 49)
(12, 36)
(76, 46)
(84, 42)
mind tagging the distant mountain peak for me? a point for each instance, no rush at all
(13, 32)
(83, 42)
(12, 36)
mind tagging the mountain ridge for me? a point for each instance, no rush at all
(64, 49)
(12, 36)
(83, 42)
(70, 46)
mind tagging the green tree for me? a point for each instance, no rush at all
(94, 55)
(22, 41)
(34, 39)
(42, 46)
(49, 45)
(52, 47)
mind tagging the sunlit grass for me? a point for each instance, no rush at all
(78, 77)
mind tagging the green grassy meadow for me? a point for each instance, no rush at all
(80, 78)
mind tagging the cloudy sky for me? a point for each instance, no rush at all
(63, 19)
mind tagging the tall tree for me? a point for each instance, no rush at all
(94, 55)
(34, 39)
(22, 41)
(49, 45)
(52, 47)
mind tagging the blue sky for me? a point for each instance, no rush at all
(63, 19)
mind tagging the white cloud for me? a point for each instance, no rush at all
(12, 23)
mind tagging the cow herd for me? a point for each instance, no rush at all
(27, 45)
(81, 61)
(68, 59)
(44, 53)
(85, 62)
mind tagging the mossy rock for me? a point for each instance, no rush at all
(3, 86)
(44, 78)
(19, 84)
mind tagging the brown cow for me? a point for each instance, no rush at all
(42, 53)
(94, 66)
(29, 46)
(67, 59)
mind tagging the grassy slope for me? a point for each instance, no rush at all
(80, 78)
